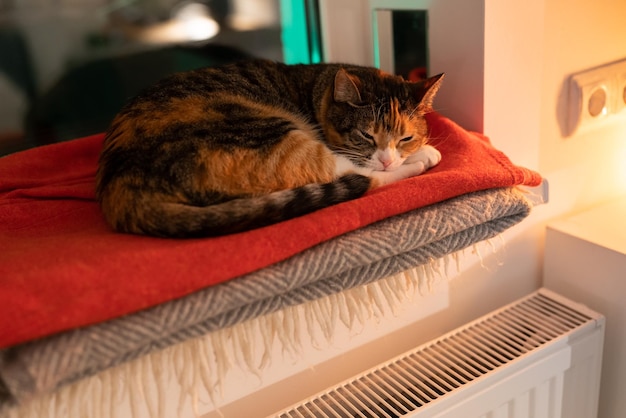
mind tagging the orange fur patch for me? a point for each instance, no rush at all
(153, 120)
(296, 161)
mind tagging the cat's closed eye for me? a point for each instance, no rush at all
(366, 135)
(406, 139)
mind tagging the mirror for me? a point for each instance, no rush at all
(401, 42)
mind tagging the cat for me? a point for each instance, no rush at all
(227, 149)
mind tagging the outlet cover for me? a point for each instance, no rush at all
(595, 95)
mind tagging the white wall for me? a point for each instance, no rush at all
(586, 168)
(513, 70)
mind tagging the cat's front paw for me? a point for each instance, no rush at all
(427, 155)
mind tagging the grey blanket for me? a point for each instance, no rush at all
(360, 257)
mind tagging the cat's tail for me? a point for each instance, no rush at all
(238, 215)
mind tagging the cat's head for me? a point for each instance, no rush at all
(377, 119)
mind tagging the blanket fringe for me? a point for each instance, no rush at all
(202, 364)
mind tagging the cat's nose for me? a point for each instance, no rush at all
(386, 163)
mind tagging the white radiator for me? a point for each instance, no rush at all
(538, 357)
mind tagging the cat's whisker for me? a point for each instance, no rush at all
(438, 140)
(351, 155)
(380, 111)
(412, 113)
(369, 164)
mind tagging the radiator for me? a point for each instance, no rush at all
(537, 357)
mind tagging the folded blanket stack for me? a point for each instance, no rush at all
(67, 280)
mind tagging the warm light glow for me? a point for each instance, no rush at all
(253, 14)
(190, 22)
(199, 28)
(621, 171)
(617, 157)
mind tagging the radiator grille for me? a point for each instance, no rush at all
(413, 380)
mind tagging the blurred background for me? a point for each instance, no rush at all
(67, 66)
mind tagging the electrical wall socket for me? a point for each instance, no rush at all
(595, 95)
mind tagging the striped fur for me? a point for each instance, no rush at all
(222, 150)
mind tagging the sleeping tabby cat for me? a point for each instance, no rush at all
(222, 150)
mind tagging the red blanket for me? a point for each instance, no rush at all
(61, 266)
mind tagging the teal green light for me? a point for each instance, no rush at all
(300, 33)
(375, 36)
(315, 43)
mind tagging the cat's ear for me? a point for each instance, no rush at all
(428, 89)
(346, 89)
